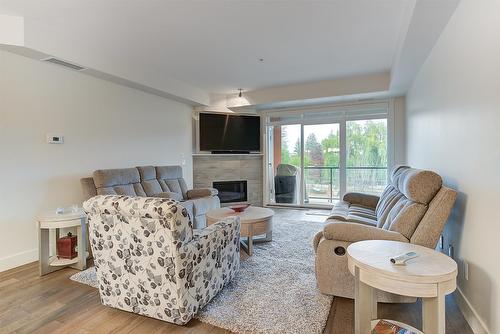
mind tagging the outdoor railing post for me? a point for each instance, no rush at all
(331, 185)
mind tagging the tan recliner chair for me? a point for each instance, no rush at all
(413, 208)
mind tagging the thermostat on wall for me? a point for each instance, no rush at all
(55, 139)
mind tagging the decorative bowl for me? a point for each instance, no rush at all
(239, 207)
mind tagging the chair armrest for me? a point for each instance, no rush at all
(201, 192)
(225, 224)
(217, 245)
(352, 232)
(367, 200)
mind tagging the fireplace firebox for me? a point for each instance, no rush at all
(231, 191)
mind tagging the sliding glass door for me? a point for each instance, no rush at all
(285, 164)
(321, 163)
(315, 161)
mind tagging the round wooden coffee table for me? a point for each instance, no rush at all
(431, 276)
(254, 221)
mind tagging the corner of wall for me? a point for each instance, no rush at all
(399, 130)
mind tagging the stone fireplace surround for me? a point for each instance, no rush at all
(209, 168)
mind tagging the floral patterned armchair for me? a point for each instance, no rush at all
(150, 261)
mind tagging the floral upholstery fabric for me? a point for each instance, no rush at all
(150, 261)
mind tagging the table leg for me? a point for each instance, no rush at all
(365, 306)
(82, 245)
(433, 314)
(250, 241)
(43, 251)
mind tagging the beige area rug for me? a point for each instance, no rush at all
(275, 290)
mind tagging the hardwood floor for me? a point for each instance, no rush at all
(55, 304)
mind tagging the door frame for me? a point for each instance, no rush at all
(333, 114)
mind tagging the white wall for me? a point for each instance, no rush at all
(399, 141)
(453, 119)
(104, 126)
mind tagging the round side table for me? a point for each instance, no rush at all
(431, 276)
(55, 221)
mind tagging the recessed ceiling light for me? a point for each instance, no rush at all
(261, 59)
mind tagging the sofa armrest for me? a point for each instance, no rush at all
(170, 195)
(201, 192)
(367, 200)
(352, 232)
(88, 187)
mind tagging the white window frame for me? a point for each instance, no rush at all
(337, 113)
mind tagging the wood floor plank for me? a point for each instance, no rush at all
(54, 304)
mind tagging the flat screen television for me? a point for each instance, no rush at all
(223, 133)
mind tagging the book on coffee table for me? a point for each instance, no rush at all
(387, 327)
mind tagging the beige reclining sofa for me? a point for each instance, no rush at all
(151, 181)
(413, 208)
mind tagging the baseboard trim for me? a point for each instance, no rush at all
(16, 260)
(475, 322)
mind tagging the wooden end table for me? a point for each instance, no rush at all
(254, 221)
(56, 221)
(431, 276)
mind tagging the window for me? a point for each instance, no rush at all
(366, 155)
(333, 151)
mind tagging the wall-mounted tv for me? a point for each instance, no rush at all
(224, 133)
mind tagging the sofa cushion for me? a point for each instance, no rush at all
(172, 179)
(417, 185)
(404, 217)
(152, 187)
(149, 182)
(174, 186)
(147, 173)
(430, 227)
(389, 198)
(168, 172)
(343, 211)
(354, 218)
(164, 186)
(123, 181)
(362, 211)
(114, 177)
(340, 211)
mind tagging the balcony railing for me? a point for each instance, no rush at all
(322, 183)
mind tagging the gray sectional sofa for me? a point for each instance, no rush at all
(153, 181)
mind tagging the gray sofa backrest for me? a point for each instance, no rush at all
(135, 181)
(123, 181)
(170, 177)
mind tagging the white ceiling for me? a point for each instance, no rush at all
(216, 45)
